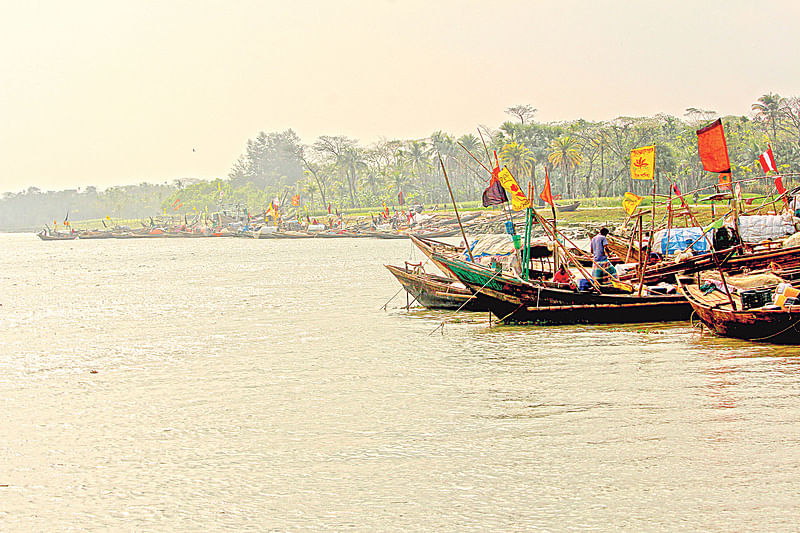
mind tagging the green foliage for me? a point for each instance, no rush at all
(583, 159)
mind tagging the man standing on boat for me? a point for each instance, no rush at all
(602, 266)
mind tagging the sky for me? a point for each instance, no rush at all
(109, 92)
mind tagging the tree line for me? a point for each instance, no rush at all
(582, 159)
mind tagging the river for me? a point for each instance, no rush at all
(238, 384)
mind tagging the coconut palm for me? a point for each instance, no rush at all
(518, 158)
(565, 154)
(769, 110)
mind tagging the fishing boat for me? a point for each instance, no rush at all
(568, 207)
(432, 291)
(57, 235)
(513, 299)
(438, 234)
(541, 253)
(726, 316)
(466, 218)
(95, 234)
(785, 261)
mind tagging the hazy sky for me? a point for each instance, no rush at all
(115, 92)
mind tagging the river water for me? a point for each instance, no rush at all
(237, 384)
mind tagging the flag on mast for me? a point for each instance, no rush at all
(494, 193)
(767, 160)
(713, 148)
(630, 202)
(643, 163)
(518, 199)
(546, 195)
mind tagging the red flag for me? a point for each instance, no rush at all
(329, 208)
(678, 193)
(781, 190)
(767, 160)
(546, 195)
(400, 198)
(712, 148)
(779, 185)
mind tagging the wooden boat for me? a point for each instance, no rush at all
(432, 291)
(513, 299)
(432, 248)
(91, 234)
(438, 234)
(785, 261)
(569, 207)
(427, 246)
(386, 235)
(466, 218)
(57, 236)
(780, 326)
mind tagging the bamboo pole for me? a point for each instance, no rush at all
(567, 253)
(455, 207)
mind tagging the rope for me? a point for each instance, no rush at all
(383, 307)
(792, 325)
(465, 303)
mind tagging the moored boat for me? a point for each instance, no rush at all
(432, 291)
(726, 316)
(513, 299)
(57, 235)
(785, 261)
(568, 207)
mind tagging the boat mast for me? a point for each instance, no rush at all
(455, 207)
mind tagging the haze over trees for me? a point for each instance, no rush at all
(582, 158)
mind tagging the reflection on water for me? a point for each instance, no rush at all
(244, 384)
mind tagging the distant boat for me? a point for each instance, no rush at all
(93, 234)
(569, 207)
(57, 235)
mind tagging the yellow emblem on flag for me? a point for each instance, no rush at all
(631, 202)
(518, 199)
(643, 163)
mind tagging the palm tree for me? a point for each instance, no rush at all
(471, 143)
(769, 110)
(416, 158)
(564, 154)
(518, 158)
(352, 163)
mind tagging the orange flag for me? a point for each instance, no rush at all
(712, 148)
(546, 195)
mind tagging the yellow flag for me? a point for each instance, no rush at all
(631, 202)
(518, 199)
(643, 162)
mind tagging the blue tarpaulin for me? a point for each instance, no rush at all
(680, 239)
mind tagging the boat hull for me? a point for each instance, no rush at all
(512, 299)
(435, 292)
(774, 326)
